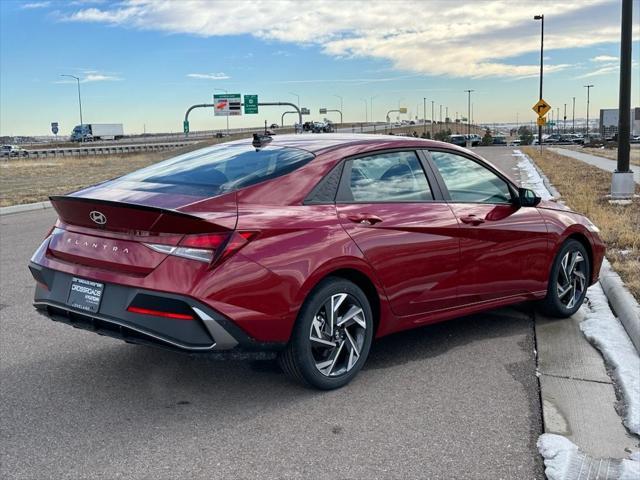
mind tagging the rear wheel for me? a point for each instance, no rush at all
(332, 336)
(568, 281)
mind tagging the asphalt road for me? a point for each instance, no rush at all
(455, 400)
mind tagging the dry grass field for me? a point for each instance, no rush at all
(584, 188)
(610, 153)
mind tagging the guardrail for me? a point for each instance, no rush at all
(99, 150)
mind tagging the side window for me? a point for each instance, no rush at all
(468, 181)
(386, 177)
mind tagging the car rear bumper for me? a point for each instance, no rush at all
(207, 332)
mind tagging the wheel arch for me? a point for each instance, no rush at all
(582, 238)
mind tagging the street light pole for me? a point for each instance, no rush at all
(340, 105)
(371, 109)
(433, 103)
(573, 116)
(588, 87)
(469, 111)
(622, 184)
(225, 91)
(79, 97)
(424, 119)
(564, 120)
(366, 111)
(541, 18)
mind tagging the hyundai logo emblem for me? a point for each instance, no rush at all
(98, 217)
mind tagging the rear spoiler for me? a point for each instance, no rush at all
(127, 217)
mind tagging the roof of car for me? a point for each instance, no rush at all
(327, 141)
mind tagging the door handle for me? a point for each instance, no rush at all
(364, 219)
(471, 219)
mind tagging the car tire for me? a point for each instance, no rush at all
(568, 281)
(323, 352)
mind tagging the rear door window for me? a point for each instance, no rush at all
(385, 177)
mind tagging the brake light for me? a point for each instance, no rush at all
(159, 313)
(209, 248)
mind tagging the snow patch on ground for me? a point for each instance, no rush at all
(608, 335)
(563, 460)
(533, 179)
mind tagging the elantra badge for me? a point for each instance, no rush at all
(98, 217)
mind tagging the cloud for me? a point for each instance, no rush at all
(459, 39)
(209, 76)
(34, 5)
(89, 76)
(604, 58)
(607, 69)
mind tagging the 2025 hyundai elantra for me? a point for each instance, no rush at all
(308, 248)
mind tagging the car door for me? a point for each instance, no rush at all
(386, 203)
(503, 247)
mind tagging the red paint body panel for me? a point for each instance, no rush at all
(422, 262)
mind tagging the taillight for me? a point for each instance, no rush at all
(209, 248)
(159, 313)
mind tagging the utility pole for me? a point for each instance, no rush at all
(424, 119)
(440, 114)
(588, 87)
(541, 18)
(366, 111)
(573, 116)
(469, 111)
(622, 184)
(564, 120)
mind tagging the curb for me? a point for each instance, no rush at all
(624, 305)
(25, 207)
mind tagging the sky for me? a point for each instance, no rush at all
(144, 62)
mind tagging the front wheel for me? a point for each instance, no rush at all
(568, 281)
(332, 336)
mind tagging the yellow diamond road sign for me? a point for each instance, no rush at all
(541, 121)
(541, 108)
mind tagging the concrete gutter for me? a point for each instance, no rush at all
(25, 207)
(624, 305)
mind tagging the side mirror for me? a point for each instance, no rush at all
(527, 198)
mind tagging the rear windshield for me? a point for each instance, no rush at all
(217, 170)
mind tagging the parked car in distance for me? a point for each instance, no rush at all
(459, 140)
(13, 151)
(499, 140)
(474, 138)
(274, 126)
(306, 248)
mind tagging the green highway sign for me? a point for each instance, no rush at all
(250, 104)
(323, 111)
(185, 126)
(227, 104)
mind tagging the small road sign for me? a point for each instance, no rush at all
(54, 127)
(305, 111)
(402, 109)
(185, 126)
(541, 121)
(227, 104)
(250, 104)
(323, 111)
(541, 108)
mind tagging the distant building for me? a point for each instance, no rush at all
(609, 121)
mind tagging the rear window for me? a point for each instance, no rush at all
(217, 170)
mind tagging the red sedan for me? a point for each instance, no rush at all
(306, 248)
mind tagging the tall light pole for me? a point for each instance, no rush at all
(440, 113)
(366, 111)
(371, 109)
(340, 103)
(564, 120)
(573, 116)
(469, 111)
(588, 87)
(433, 104)
(622, 185)
(225, 91)
(79, 97)
(424, 118)
(541, 18)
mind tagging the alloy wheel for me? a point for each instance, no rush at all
(571, 278)
(337, 334)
